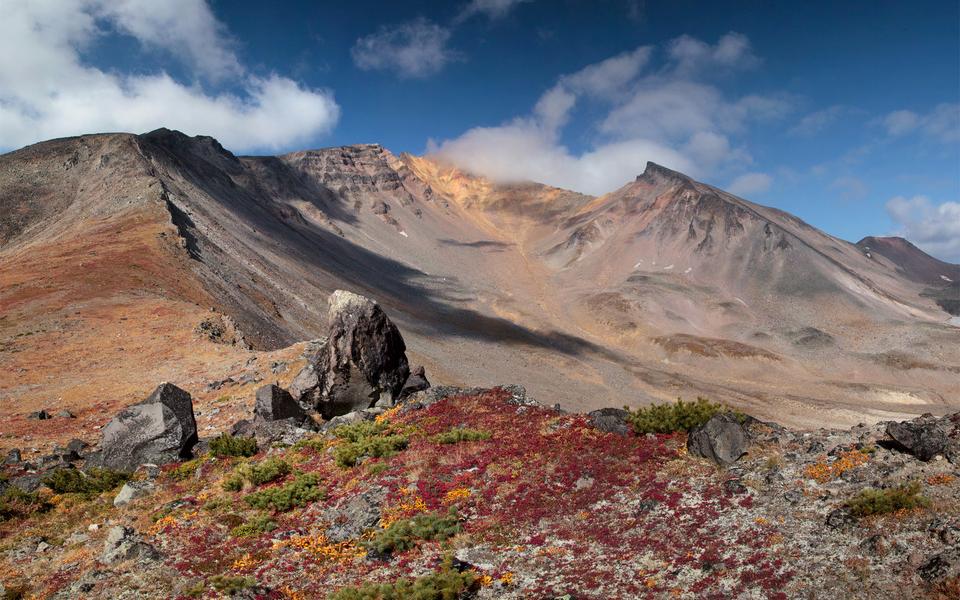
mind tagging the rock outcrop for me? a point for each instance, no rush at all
(276, 404)
(159, 430)
(722, 439)
(924, 437)
(363, 361)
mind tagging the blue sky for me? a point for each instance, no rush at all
(845, 114)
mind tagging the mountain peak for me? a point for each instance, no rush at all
(654, 172)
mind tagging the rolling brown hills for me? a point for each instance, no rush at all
(115, 248)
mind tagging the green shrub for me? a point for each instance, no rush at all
(15, 503)
(376, 468)
(94, 481)
(676, 416)
(228, 445)
(229, 585)
(403, 535)
(255, 526)
(305, 488)
(878, 502)
(318, 443)
(461, 434)
(260, 473)
(445, 584)
(185, 470)
(366, 439)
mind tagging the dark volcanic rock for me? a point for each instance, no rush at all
(416, 382)
(943, 565)
(722, 439)
(123, 543)
(923, 437)
(275, 404)
(13, 457)
(612, 420)
(159, 430)
(364, 360)
(40, 415)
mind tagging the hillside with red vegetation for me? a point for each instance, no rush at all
(538, 504)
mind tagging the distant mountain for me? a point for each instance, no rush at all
(913, 262)
(662, 288)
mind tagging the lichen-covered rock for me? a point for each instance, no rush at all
(133, 490)
(943, 565)
(123, 543)
(611, 420)
(924, 437)
(159, 430)
(722, 439)
(364, 360)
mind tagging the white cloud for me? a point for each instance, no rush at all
(750, 183)
(668, 115)
(933, 227)
(492, 9)
(47, 89)
(416, 48)
(941, 123)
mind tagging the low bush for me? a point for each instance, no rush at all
(228, 445)
(367, 439)
(260, 473)
(461, 434)
(878, 502)
(255, 526)
(445, 584)
(674, 417)
(15, 503)
(230, 585)
(94, 481)
(185, 470)
(404, 534)
(305, 488)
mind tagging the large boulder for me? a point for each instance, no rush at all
(722, 439)
(276, 404)
(923, 437)
(363, 361)
(416, 382)
(159, 430)
(611, 420)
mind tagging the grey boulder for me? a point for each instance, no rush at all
(722, 439)
(611, 420)
(924, 437)
(159, 430)
(276, 404)
(133, 490)
(123, 543)
(363, 362)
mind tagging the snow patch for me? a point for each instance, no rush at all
(688, 270)
(404, 234)
(668, 267)
(945, 278)
(741, 301)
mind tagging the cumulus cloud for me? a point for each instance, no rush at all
(492, 9)
(941, 123)
(933, 227)
(413, 49)
(668, 114)
(48, 90)
(749, 184)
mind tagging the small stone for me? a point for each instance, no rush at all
(42, 547)
(793, 496)
(611, 420)
(840, 518)
(13, 457)
(941, 566)
(133, 490)
(734, 487)
(722, 439)
(66, 414)
(93, 527)
(40, 415)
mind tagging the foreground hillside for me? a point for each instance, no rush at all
(530, 502)
(359, 480)
(131, 259)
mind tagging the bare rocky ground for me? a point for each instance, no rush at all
(546, 506)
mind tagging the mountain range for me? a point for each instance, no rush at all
(129, 259)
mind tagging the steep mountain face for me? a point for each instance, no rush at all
(662, 288)
(914, 263)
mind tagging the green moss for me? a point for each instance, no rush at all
(260, 473)
(15, 503)
(877, 502)
(305, 488)
(367, 439)
(255, 526)
(229, 585)
(461, 434)
(676, 416)
(228, 445)
(318, 443)
(404, 534)
(376, 468)
(94, 481)
(445, 584)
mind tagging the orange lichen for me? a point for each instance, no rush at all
(822, 471)
(323, 549)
